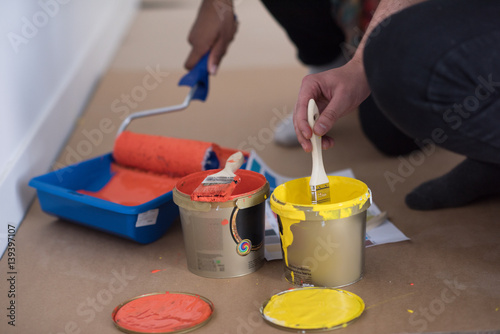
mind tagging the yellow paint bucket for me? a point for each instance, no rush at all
(323, 244)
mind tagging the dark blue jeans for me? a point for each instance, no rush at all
(434, 71)
(311, 28)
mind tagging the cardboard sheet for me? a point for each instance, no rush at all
(60, 277)
(69, 278)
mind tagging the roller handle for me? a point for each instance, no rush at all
(197, 78)
(318, 175)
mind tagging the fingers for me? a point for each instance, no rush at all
(220, 47)
(326, 120)
(313, 88)
(327, 142)
(213, 30)
(194, 57)
(217, 52)
(301, 125)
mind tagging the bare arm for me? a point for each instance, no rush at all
(385, 9)
(339, 91)
(213, 30)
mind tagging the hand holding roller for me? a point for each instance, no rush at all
(197, 79)
(171, 156)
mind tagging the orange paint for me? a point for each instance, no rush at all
(154, 164)
(219, 192)
(250, 183)
(156, 271)
(165, 155)
(133, 187)
(158, 313)
(225, 222)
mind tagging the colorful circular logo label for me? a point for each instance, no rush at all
(244, 247)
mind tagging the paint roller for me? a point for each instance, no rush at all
(164, 155)
(172, 156)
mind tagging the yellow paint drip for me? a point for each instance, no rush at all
(313, 308)
(291, 201)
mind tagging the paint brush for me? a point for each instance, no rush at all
(219, 186)
(319, 183)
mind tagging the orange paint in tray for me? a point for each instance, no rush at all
(132, 187)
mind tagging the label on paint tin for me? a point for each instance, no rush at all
(210, 262)
(255, 263)
(147, 218)
(299, 275)
(247, 229)
(244, 247)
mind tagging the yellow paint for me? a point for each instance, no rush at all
(287, 236)
(313, 308)
(293, 199)
(292, 202)
(410, 311)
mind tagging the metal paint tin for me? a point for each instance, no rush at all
(183, 330)
(224, 239)
(322, 244)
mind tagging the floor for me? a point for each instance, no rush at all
(446, 279)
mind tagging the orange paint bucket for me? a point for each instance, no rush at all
(224, 239)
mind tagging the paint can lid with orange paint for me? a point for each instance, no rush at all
(163, 312)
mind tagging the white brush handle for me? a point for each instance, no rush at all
(318, 175)
(233, 163)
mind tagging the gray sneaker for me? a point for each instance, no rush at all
(284, 134)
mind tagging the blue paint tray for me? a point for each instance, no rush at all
(144, 223)
(58, 196)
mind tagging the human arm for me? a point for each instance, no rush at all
(339, 91)
(213, 30)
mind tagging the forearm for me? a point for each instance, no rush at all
(213, 30)
(385, 9)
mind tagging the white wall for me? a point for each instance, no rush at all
(52, 52)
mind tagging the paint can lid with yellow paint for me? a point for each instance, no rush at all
(312, 309)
